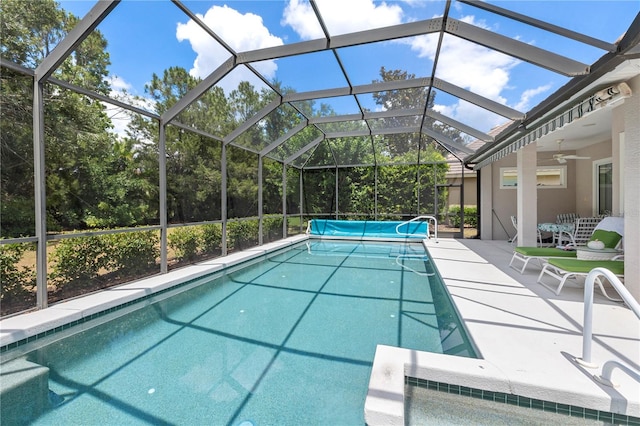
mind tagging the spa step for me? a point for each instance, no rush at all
(24, 391)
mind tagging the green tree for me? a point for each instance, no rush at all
(76, 133)
(193, 161)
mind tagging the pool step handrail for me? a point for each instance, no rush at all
(429, 218)
(587, 329)
(607, 371)
(414, 257)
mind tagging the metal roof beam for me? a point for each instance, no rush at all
(446, 140)
(253, 120)
(396, 130)
(386, 131)
(582, 38)
(195, 18)
(358, 90)
(410, 29)
(335, 118)
(516, 48)
(316, 94)
(282, 139)
(303, 150)
(345, 40)
(478, 100)
(630, 43)
(195, 131)
(391, 113)
(102, 98)
(16, 67)
(347, 133)
(460, 126)
(77, 35)
(412, 83)
(366, 116)
(193, 94)
(608, 62)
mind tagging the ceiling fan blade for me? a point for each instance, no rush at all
(575, 157)
(561, 160)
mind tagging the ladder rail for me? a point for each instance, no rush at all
(417, 218)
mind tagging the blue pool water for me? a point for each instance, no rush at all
(288, 340)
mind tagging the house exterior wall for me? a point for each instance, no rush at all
(551, 201)
(584, 175)
(470, 190)
(628, 122)
(622, 146)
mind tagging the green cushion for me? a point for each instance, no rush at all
(545, 252)
(609, 238)
(585, 266)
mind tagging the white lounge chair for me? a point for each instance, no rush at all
(609, 231)
(564, 269)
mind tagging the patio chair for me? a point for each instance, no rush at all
(567, 218)
(583, 229)
(610, 232)
(514, 221)
(562, 238)
(563, 269)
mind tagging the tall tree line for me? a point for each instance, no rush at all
(96, 178)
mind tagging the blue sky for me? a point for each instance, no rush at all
(149, 36)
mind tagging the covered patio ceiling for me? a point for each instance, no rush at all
(338, 93)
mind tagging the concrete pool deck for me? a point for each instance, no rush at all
(526, 336)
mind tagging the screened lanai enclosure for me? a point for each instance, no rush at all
(142, 136)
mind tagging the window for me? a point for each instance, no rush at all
(546, 177)
(603, 186)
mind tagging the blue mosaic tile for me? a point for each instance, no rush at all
(521, 401)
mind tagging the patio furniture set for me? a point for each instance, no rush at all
(591, 242)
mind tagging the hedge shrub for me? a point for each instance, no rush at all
(272, 228)
(211, 238)
(133, 253)
(470, 216)
(80, 261)
(16, 284)
(242, 234)
(185, 242)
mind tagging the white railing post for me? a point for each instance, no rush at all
(587, 330)
(607, 371)
(429, 218)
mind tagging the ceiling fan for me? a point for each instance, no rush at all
(562, 158)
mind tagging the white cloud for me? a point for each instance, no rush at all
(340, 16)
(473, 67)
(465, 64)
(525, 98)
(242, 32)
(118, 84)
(120, 90)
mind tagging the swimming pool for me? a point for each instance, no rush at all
(286, 340)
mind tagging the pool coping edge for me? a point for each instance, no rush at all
(19, 328)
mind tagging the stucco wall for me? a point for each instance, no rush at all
(584, 175)
(551, 201)
(470, 190)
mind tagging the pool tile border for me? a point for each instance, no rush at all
(242, 257)
(521, 401)
(96, 315)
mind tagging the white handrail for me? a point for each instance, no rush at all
(587, 331)
(607, 371)
(430, 218)
(415, 257)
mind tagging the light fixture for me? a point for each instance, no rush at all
(612, 94)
